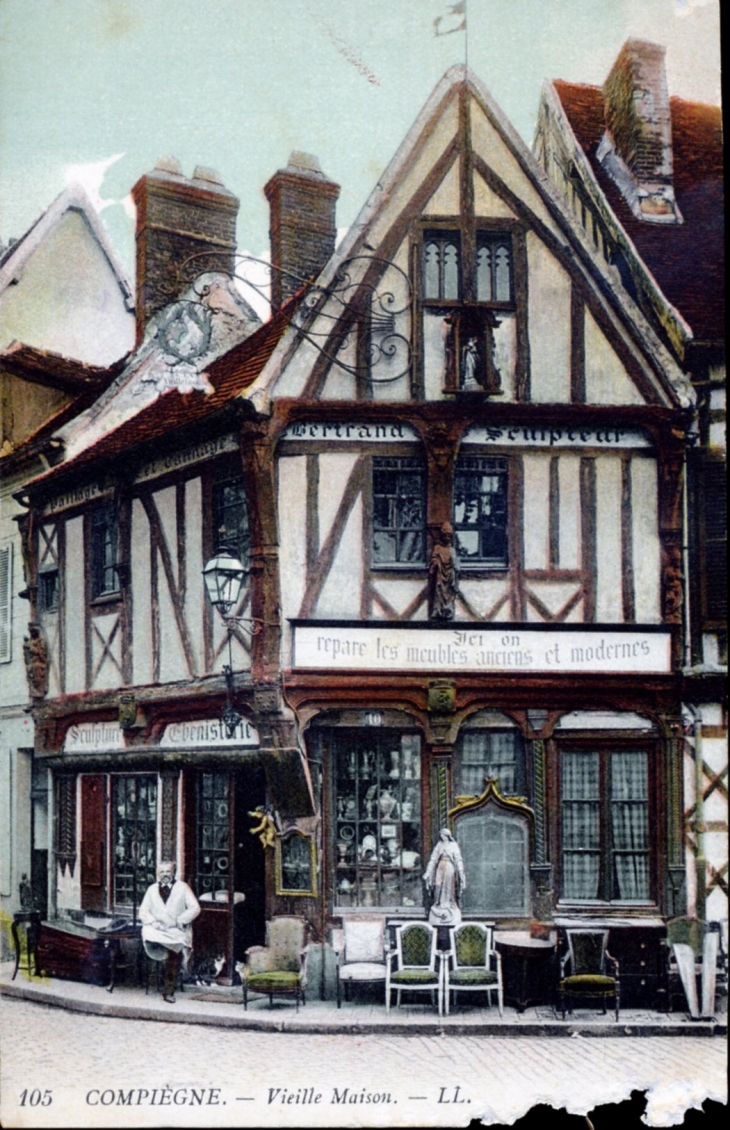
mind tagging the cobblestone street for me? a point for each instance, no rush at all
(64, 1069)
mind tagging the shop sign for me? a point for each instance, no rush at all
(386, 432)
(556, 435)
(208, 733)
(178, 459)
(94, 737)
(524, 651)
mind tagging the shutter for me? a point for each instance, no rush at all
(6, 581)
(92, 842)
(714, 544)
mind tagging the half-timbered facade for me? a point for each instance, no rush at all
(453, 469)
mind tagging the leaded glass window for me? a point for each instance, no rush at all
(605, 825)
(104, 551)
(134, 836)
(213, 857)
(480, 512)
(441, 266)
(399, 511)
(230, 519)
(494, 269)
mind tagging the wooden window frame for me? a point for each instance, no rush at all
(605, 746)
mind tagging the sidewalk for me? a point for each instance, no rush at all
(222, 1006)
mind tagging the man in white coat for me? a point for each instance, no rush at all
(168, 909)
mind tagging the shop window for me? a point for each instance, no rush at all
(604, 826)
(480, 512)
(481, 754)
(104, 548)
(134, 836)
(230, 519)
(376, 850)
(213, 812)
(399, 512)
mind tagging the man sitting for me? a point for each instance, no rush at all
(167, 911)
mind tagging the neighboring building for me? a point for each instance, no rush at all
(453, 467)
(643, 173)
(66, 318)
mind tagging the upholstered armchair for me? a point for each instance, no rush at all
(360, 951)
(472, 963)
(280, 967)
(414, 965)
(587, 971)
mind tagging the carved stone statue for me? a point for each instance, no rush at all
(445, 880)
(443, 576)
(35, 653)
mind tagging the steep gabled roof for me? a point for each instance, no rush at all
(14, 258)
(43, 366)
(687, 260)
(229, 376)
(556, 222)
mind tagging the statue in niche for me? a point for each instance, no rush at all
(445, 881)
(443, 573)
(471, 367)
(35, 653)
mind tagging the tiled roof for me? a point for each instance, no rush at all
(687, 259)
(43, 365)
(229, 375)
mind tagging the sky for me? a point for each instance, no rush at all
(97, 90)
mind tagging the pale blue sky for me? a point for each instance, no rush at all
(238, 84)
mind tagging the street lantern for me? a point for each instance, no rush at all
(224, 575)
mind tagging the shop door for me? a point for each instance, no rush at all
(229, 868)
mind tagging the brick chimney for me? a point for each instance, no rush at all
(302, 224)
(636, 149)
(184, 228)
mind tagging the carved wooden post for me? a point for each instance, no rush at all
(258, 463)
(670, 534)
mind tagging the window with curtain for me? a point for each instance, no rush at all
(604, 825)
(480, 512)
(399, 511)
(490, 753)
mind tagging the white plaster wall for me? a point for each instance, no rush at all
(108, 674)
(554, 595)
(433, 356)
(141, 597)
(334, 472)
(194, 585)
(489, 145)
(68, 299)
(399, 595)
(605, 377)
(50, 622)
(536, 520)
(549, 325)
(446, 199)
(487, 205)
(569, 526)
(292, 508)
(483, 595)
(340, 596)
(645, 540)
(75, 607)
(173, 665)
(609, 602)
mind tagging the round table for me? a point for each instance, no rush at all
(527, 967)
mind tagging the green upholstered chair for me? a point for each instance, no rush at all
(360, 952)
(588, 972)
(280, 967)
(472, 963)
(414, 965)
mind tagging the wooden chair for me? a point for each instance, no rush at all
(278, 968)
(360, 954)
(472, 964)
(414, 965)
(584, 972)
